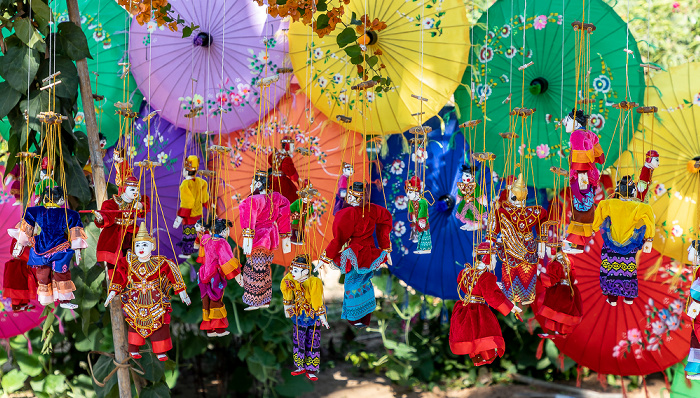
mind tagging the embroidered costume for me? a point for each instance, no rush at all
(651, 162)
(219, 265)
(301, 211)
(342, 190)
(559, 306)
(284, 174)
(470, 210)
(692, 369)
(194, 195)
(418, 216)
(580, 227)
(19, 280)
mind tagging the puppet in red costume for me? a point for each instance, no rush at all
(692, 369)
(651, 162)
(474, 329)
(559, 304)
(144, 282)
(284, 174)
(354, 252)
(19, 280)
(518, 249)
(117, 219)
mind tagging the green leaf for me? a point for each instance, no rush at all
(75, 178)
(322, 21)
(55, 384)
(28, 364)
(41, 13)
(357, 59)
(346, 37)
(371, 61)
(9, 98)
(13, 381)
(154, 369)
(186, 32)
(159, 390)
(24, 29)
(101, 369)
(69, 76)
(353, 51)
(39, 101)
(19, 63)
(73, 41)
(321, 5)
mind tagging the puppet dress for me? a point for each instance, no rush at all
(284, 175)
(469, 210)
(559, 308)
(299, 219)
(582, 215)
(117, 226)
(617, 220)
(355, 227)
(585, 150)
(342, 189)
(19, 280)
(693, 365)
(267, 215)
(474, 329)
(418, 211)
(219, 265)
(194, 195)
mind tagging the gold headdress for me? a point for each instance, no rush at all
(143, 234)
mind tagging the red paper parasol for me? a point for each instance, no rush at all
(646, 337)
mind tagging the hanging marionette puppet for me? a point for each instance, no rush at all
(302, 295)
(219, 265)
(474, 329)
(301, 211)
(19, 280)
(626, 226)
(651, 162)
(418, 216)
(470, 201)
(194, 195)
(585, 146)
(144, 282)
(122, 170)
(284, 174)
(348, 171)
(518, 248)
(87, 170)
(60, 238)
(692, 369)
(117, 219)
(559, 309)
(353, 251)
(264, 219)
(45, 180)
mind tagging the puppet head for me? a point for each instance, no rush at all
(356, 194)
(144, 243)
(348, 169)
(130, 189)
(485, 256)
(222, 227)
(103, 141)
(694, 252)
(190, 166)
(468, 173)
(575, 121)
(517, 193)
(259, 183)
(305, 191)
(626, 188)
(287, 145)
(46, 169)
(413, 188)
(53, 195)
(652, 159)
(300, 268)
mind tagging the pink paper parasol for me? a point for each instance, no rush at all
(213, 73)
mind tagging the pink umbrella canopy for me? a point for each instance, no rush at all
(12, 323)
(212, 74)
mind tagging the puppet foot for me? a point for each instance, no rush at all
(298, 372)
(17, 203)
(211, 334)
(464, 227)
(359, 325)
(253, 307)
(311, 376)
(612, 303)
(297, 243)
(68, 306)
(184, 256)
(224, 333)
(162, 357)
(421, 251)
(693, 377)
(528, 302)
(628, 301)
(135, 355)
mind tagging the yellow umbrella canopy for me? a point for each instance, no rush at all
(675, 134)
(423, 49)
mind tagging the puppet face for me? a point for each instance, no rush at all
(517, 196)
(693, 256)
(256, 186)
(103, 144)
(353, 200)
(224, 234)
(583, 180)
(199, 227)
(185, 173)
(348, 171)
(570, 123)
(299, 274)
(130, 193)
(654, 163)
(143, 249)
(116, 157)
(412, 195)
(467, 178)
(43, 175)
(305, 199)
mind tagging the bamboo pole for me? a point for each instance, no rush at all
(98, 175)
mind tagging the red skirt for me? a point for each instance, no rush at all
(560, 312)
(474, 331)
(19, 281)
(286, 187)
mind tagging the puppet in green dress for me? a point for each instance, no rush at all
(470, 201)
(418, 216)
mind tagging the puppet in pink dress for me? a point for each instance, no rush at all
(340, 195)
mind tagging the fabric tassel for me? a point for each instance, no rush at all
(622, 385)
(644, 383)
(30, 351)
(389, 282)
(561, 362)
(384, 149)
(405, 147)
(688, 382)
(579, 375)
(540, 349)
(60, 325)
(602, 379)
(444, 315)
(405, 301)
(668, 385)
(530, 326)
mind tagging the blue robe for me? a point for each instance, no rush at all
(52, 246)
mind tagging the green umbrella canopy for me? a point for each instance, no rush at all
(106, 26)
(550, 83)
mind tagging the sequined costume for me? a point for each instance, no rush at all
(284, 175)
(219, 265)
(117, 224)
(194, 195)
(19, 280)
(469, 210)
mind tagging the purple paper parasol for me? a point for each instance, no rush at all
(167, 146)
(213, 73)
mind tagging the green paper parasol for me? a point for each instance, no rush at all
(106, 26)
(550, 83)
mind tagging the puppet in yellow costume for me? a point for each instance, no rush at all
(194, 195)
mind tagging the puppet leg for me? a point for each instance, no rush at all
(44, 288)
(135, 342)
(161, 342)
(362, 322)
(299, 355)
(312, 362)
(189, 235)
(257, 279)
(64, 288)
(206, 320)
(217, 317)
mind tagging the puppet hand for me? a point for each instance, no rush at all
(185, 298)
(324, 321)
(239, 279)
(343, 193)
(288, 311)
(178, 221)
(320, 264)
(98, 216)
(516, 310)
(17, 250)
(421, 223)
(541, 249)
(286, 245)
(110, 296)
(78, 256)
(247, 245)
(647, 247)
(388, 258)
(139, 206)
(641, 186)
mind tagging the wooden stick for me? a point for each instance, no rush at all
(98, 177)
(471, 123)
(647, 109)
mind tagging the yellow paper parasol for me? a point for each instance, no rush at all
(424, 41)
(674, 134)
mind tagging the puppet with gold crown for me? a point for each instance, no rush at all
(418, 215)
(518, 248)
(117, 219)
(302, 295)
(52, 249)
(302, 210)
(284, 174)
(194, 195)
(265, 222)
(144, 282)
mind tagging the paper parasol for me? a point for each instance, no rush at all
(213, 73)
(424, 48)
(329, 144)
(168, 145)
(675, 188)
(646, 337)
(13, 323)
(550, 83)
(105, 25)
